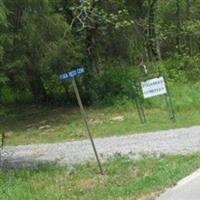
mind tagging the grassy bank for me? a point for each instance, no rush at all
(124, 179)
(40, 124)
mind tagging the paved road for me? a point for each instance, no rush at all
(178, 141)
(187, 189)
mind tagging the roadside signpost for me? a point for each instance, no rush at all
(138, 104)
(151, 86)
(71, 76)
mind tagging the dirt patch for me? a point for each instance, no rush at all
(150, 196)
(118, 118)
(92, 182)
(47, 132)
(95, 121)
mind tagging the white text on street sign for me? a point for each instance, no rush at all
(72, 74)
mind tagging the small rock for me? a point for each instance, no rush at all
(95, 121)
(135, 157)
(44, 127)
(118, 118)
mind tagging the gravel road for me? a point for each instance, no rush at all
(178, 141)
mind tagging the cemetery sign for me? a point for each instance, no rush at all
(154, 87)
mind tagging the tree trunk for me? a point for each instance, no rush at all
(91, 49)
(157, 38)
(36, 86)
(38, 91)
(153, 44)
(189, 36)
(178, 27)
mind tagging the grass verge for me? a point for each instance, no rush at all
(40, 124)
(124, 179)
(31, 124)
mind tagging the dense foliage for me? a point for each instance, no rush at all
(40, 39)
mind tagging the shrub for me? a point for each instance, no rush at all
(113, 84)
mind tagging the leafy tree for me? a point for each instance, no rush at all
(40, 39)
(94, 17)
(3, 38)
(36, 31)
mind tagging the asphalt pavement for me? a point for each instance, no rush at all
(186, 189)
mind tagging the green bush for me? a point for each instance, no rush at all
(186, 96)
(113, 85)
(11, 96)
(182, 69)
(7, 95)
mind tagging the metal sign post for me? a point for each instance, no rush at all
(169, 103)
(152, 84)
(86, 124)
(2, 137)
(138, 104)
(156, 87)
(72, 75)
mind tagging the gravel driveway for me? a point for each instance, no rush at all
(178, 141)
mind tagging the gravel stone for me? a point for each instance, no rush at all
(176, 141)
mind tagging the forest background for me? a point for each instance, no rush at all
(111, 39)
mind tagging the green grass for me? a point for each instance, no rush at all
(22, 124)
(124, 179)
(22, 127)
